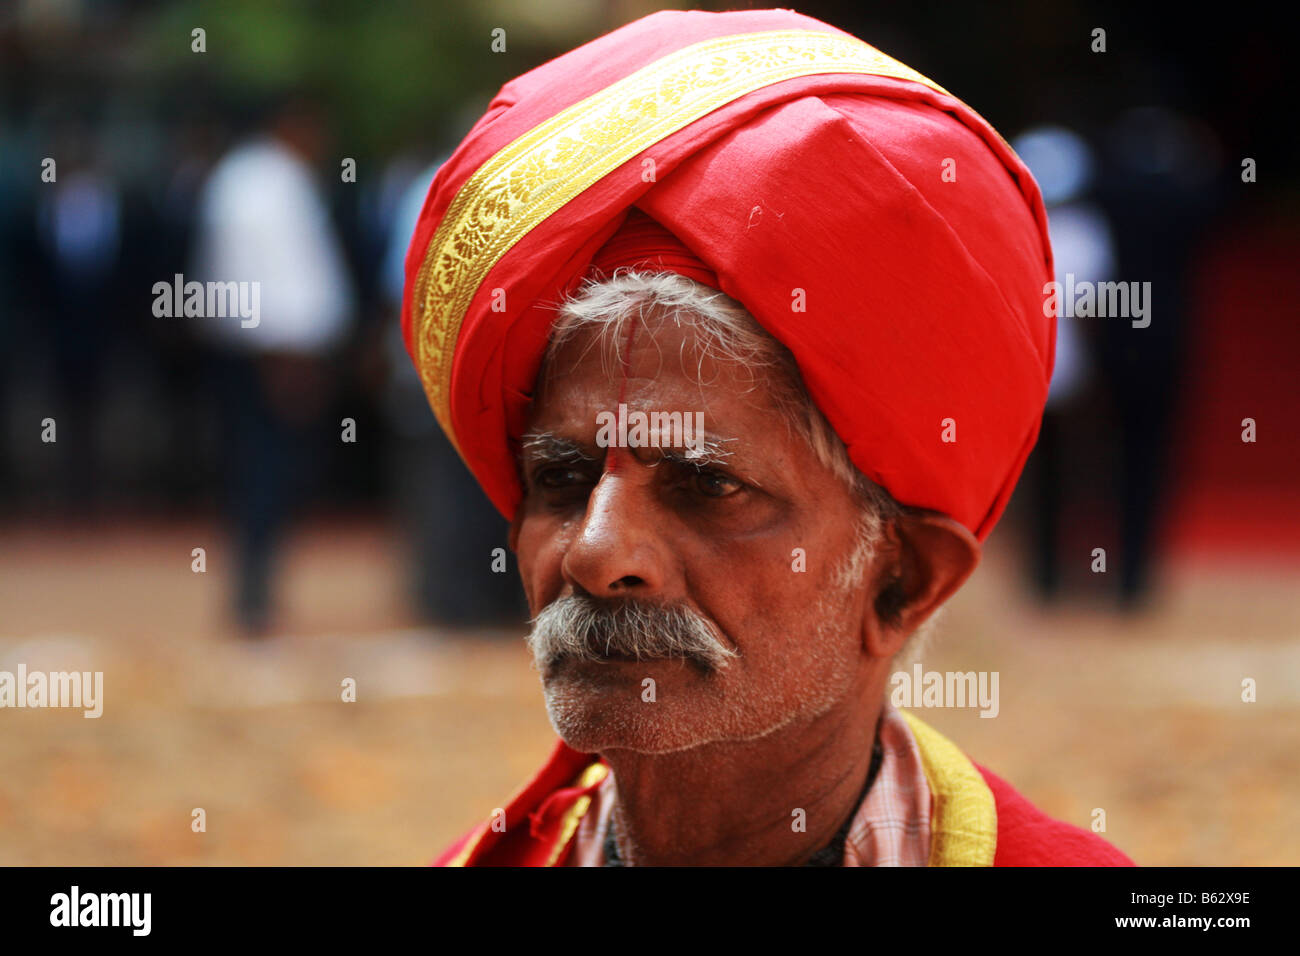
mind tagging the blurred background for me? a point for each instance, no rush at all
(296, 140)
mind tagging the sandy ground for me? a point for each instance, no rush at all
(1141, 717)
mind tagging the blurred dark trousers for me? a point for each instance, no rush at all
(452, 531)
(272, 457)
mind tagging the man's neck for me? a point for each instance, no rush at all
(774, 801)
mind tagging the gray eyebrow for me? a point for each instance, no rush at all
(547, 446)
(711, 452)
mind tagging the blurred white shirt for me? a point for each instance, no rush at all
(1082, 246)
(261, 218)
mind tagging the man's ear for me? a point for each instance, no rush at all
(926, 557)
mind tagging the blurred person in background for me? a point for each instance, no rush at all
(1159, 191)
(1064, 165)
(263, 218)
(79, 227)
(448, 547)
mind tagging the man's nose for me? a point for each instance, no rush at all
(617, 552)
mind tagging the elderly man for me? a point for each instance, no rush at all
(741, 322)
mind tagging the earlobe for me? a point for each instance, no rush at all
(932, 556)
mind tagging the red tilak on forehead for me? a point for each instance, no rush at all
(611, 457)
(642, 243)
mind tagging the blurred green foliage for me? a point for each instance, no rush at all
(389, 71)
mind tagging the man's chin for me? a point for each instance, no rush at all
(609, 706)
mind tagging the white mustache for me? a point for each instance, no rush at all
(586, 629)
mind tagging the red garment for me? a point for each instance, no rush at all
(869, 220)
(1029, 837)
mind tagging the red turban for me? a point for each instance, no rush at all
(868, 219)
(641, 243)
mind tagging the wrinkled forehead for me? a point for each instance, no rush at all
(654, 381)
(613, 346)
(672, 349)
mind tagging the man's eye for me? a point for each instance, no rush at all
(559, 477)
(714, 484)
